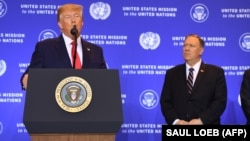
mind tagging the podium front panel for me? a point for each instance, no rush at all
(42, 114)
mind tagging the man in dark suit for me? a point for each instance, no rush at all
(56, 52)
(207, 99)
(245, 95)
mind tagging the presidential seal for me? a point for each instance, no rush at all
(73, 94)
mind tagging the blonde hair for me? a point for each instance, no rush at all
(73, 7)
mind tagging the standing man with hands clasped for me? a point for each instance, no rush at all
(196, 99)
(57, 52)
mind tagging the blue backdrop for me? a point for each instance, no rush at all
(140, 38)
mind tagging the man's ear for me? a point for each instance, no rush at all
(202, 51)
(60, 25)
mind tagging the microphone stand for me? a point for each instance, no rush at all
(74, 32)
(74, 61)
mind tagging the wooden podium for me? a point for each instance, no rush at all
(46, 120)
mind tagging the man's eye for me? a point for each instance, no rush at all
(77, 16)
(67, 17)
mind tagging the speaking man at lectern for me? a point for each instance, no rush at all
(57, 52)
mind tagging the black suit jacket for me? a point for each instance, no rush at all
(245, 95)
(208, 98)
(52, 53)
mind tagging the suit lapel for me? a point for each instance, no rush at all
(182, 78)
(200, 75)
(62, 52)
(86, 53)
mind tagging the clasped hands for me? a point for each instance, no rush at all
(191, 122)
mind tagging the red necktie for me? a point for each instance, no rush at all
(77, 61)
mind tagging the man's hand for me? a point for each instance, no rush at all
(195, 122)
(25, 81)
(181, 122)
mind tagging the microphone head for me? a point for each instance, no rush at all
(74, 30)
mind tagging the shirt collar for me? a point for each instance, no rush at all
(196, 66)
(68, 41)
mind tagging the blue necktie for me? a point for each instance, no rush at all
(190, 81)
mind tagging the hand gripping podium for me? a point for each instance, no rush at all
(73, 105)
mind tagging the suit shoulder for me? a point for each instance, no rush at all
(176, 68)
(48, 41)
(214, 68)
(89, 44)
(247, 71)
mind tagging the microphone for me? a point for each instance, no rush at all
(74, 30)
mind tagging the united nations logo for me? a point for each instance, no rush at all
(244, 42)
(73, 94)
(46, 34)
(100, 10)
(199, 13)
(3, 8)
(149, 99)
(150, 40)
